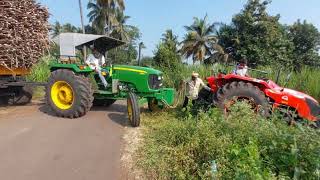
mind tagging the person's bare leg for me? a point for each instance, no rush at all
(102, 78)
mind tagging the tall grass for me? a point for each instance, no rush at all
(308, 81)
(243, 146)
(40, 72)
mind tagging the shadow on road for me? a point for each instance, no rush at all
(120, 119)
(116, 113)
(4, 102)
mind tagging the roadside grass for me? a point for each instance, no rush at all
(180, 145)
(40, 73)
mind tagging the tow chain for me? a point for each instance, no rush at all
(180, 96)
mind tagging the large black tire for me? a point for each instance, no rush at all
(4, 101)
(240, 91)
(22, 95)
(82, 93)
(133, 109)
(103, 102)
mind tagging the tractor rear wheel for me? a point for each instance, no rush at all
(103, 102)
(69, 95)
(133, 109)
(241, 91)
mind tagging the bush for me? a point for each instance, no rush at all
(40, 72)
(243, 146)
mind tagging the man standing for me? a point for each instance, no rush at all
(193, 88)
(95, 61)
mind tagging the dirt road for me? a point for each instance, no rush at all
(34, 145)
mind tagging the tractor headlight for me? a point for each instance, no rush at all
(155, 81)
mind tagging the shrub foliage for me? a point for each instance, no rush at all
(243, 146)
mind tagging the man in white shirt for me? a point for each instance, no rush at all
(241, 68)
(193, 87)
(95, 61)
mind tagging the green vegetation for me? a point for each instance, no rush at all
(103, 14)
(305, 81)
(256, 36)
(40, 72)
(179, 145)
(182, 144)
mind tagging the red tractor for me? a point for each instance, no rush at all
(263, 94)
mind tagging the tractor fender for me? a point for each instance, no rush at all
(81, 69)
(261, 84)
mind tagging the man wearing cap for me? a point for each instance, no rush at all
(95, 61)
(193, 88)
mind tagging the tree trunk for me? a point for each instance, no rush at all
(83, 29)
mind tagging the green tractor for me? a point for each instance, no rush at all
(73, 87)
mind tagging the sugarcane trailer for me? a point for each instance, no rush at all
(14, 88)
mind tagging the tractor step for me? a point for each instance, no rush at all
(103, 92)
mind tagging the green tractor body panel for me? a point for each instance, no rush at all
(135, 75)
(73, 67)
(145, 82)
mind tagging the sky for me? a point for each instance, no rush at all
(153, 17)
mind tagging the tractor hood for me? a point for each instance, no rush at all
(137, 69)
(299, 95)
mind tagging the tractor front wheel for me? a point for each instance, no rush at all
(133, 109)
(246, 92)
(69, 95)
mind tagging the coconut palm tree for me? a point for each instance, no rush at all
(113, 3)
(103, 14)
(200, 41)
(56, 29)
(170, 39)
(120, 29)
(97, 16)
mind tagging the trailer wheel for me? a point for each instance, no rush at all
(103, 102)
(133, 109)
(69, 95)
(22, 95)
(4, 100)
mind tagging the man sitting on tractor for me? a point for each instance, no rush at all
(193, 88)
(96, 60)
(241, 68)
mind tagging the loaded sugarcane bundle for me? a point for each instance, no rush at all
(23, 33)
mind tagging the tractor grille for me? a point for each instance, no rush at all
(155, 81)
(314, 107)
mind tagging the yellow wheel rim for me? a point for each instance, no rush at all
(62, 95)
(130, 112)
